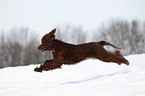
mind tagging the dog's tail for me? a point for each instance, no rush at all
(107, 43)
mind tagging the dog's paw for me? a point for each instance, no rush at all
(127, 62)
(38, 69)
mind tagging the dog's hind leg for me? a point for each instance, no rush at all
(118, 58)
(48, 65)
(111, 57)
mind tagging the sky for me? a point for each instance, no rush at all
(43, 15)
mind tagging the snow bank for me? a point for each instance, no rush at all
(88, 78)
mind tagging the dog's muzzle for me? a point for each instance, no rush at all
(42, 48)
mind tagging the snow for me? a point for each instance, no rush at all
(88, 78)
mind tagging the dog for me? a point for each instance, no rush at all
(65, 53)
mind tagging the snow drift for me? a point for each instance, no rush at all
(88, 78)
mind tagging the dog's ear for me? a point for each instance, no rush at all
(49, 36)
(52, 32)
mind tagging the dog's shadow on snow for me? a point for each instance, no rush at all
(96, 77)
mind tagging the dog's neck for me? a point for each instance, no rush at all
(59, 44)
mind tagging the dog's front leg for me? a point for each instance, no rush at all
(48, 65)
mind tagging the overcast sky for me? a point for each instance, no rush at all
(44, 15)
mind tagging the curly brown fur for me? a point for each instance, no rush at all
(65, 53)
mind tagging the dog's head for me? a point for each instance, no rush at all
(47, 41)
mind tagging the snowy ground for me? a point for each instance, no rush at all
(88, 78)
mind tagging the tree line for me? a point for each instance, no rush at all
(19, 47)
(130, 36)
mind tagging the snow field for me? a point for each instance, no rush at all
(88, 78)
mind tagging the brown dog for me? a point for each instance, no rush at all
(64, 53)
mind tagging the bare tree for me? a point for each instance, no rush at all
(125, 34)
(72, 34)
(1, 48)
(20, 48)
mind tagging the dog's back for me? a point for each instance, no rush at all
(71, 54)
